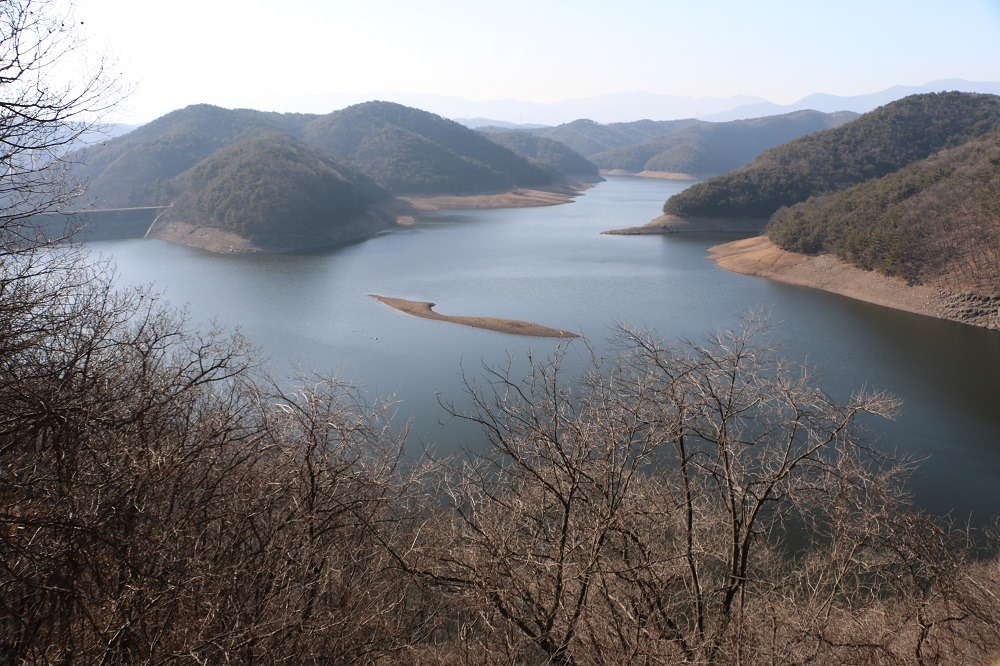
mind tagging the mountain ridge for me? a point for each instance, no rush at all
(621, 106)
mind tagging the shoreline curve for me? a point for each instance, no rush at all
(759, 256)
(425, 310)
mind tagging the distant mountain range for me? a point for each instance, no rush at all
(631, 106)
(486, 123)
(589, 137)
(680, 146)
(856, 103)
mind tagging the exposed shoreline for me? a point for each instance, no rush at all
(665, 175)
(759, 256)
(519, 197)
(384, 215)
(425, 310)
(672, 224)
(222, 241)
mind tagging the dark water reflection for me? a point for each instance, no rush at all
(552, 266)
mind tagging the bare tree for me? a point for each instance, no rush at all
(758, 444)
(52, 91)
(705, 503)
(156, 503)
(540, 517)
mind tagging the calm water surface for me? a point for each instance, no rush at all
(311, 312)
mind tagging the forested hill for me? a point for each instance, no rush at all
(711, 148)
(404, 149)
(276, 191)
(549, 154)
(935, 221)
(415, 152)
(878, 143)
(589, 138)
(136, 169)
(267, 177)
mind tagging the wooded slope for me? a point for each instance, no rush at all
(935, 221)
(876, 144)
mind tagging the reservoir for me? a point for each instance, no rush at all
(311, 313)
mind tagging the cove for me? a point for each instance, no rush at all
(310, 312)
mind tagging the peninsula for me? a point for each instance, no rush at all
(251, 181)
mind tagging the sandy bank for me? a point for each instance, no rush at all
(426, 311)
(672, 224)
(206, 238)
(666, 175)
(551, 195)
(187, 225)
(759, 256)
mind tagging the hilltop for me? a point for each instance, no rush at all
(415, 152)
(275, 192)
(136, 169)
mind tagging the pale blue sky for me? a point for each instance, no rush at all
(299, 55)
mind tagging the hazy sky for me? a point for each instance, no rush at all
(302, 55)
